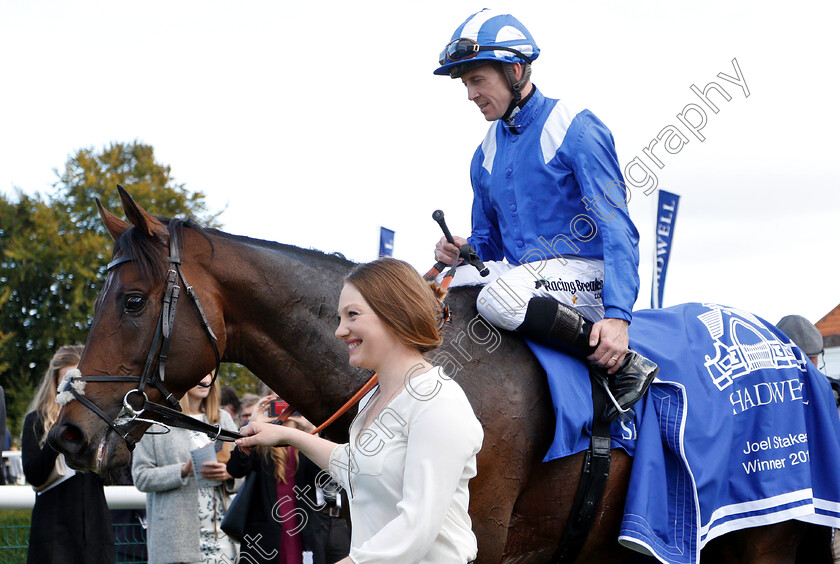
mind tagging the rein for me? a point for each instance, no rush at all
(136, 404)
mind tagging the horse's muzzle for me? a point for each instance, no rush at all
(67, 438)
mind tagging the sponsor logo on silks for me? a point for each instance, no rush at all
(572, 287)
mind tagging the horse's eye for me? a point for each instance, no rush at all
(134, 303)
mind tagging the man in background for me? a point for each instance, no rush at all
(230, 402)
(3, 435)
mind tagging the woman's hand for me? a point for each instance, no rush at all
(186, 468)
(260, 413)
(262, 434)
(215, 471)
(300, 422)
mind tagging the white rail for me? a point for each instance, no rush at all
(118, 497)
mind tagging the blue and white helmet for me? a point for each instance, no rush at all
(487, 36)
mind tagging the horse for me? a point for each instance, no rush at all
(272, 308)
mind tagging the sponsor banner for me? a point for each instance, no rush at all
(386, 242)
(666, 217)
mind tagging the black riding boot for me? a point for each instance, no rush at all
(549, 320)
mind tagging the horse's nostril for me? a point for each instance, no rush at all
(67, 437)
(70, 434)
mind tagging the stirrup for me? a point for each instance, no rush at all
(622, 414)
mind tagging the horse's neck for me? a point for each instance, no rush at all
(280, 316)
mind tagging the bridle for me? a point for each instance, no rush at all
(136, 406)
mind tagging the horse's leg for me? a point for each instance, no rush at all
(770, 544)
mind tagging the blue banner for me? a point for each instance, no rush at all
(386, 242)
(666, 218)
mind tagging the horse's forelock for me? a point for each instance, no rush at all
(145, 253)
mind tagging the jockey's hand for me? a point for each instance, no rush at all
(610, 335)
(446, 252)
(263, 434)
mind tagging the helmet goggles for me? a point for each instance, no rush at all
(464, 48)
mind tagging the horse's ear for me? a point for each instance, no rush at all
(141, 219)
(115, 226)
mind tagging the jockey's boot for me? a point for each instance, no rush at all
(548, 320)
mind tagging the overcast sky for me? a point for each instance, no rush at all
(313, 123)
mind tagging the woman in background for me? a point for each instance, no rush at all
(70, 520)
(275, 512)
(184, 519)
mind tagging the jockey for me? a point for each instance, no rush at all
(549, 198)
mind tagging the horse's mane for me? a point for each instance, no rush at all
(151, 262)
(335, 258)
(146, 251)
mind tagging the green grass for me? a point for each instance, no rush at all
(12, 517)
(14, 533)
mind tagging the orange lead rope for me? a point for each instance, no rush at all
(433, 272)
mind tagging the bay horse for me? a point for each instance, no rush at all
(273, 308)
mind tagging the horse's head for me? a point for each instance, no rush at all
(144, 305)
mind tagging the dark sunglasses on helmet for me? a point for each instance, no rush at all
(465, 48)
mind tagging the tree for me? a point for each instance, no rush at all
(88, 175)
(53, 252)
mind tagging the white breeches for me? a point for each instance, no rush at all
(576, 282)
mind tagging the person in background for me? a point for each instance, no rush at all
(408, 484)
(807, 337)
(263, 390)
(10, 470)
(328, 530)
(71, 523)
(804, 335)
(327, 534)
(231, 402)
(248, 401)
(4, 433)
(274, 519)
(184, 519)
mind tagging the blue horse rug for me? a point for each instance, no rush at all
(739, 430)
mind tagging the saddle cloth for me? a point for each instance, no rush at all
(738, 430)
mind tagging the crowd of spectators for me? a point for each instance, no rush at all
(71, 521)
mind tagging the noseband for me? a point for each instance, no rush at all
(136, 404)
